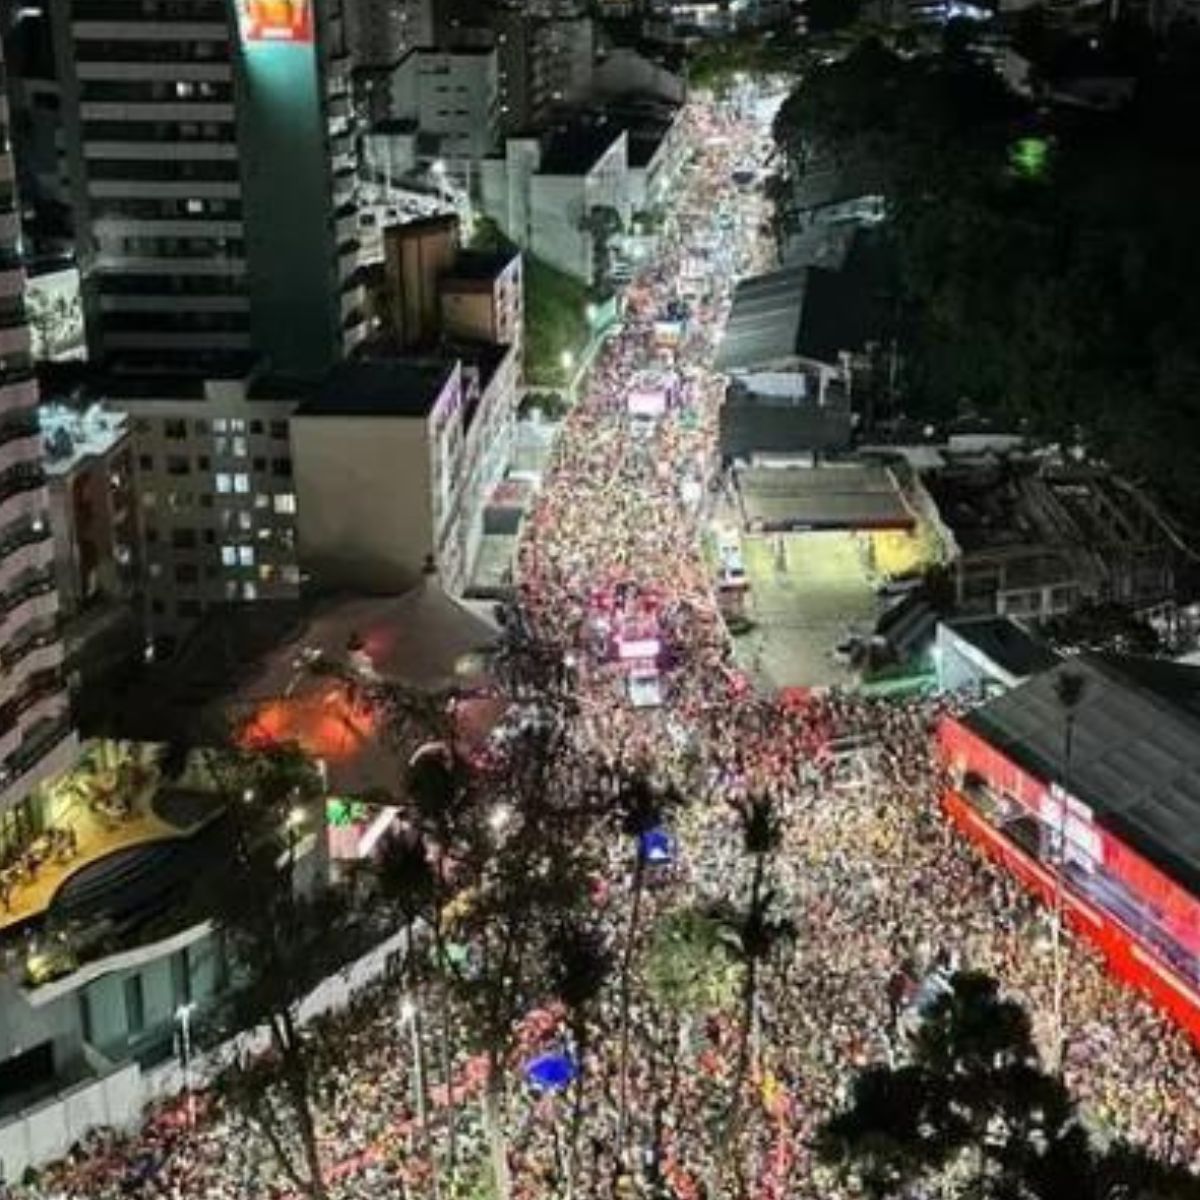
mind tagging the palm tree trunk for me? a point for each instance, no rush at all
(576, 1105)
(493, 1124)
(639, 876)
(746, 1022)
(295, 1073)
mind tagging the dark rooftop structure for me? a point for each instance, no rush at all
(379, 387)
(576, 148)
(1006, 643)
(478, 266)
(1135, 752)
(767, 413)
(808, 312)
(831, 497)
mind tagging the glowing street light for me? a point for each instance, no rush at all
(499, 818)
(567, 359)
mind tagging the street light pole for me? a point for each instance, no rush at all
(183, 1014)
(410, 1016)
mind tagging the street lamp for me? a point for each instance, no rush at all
(410, 1016)
(567, 359)
(183, 1015)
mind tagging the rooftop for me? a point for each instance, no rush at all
(1004, 642)
(575, 149)
(478, 266)
(279, 670)
(71, 435)
(1135, 750)
(828, 497)
(380, 387)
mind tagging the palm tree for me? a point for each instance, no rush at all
(407, 887)
(1068, 689)
(582, 964)
(640, 808)
(758, 934)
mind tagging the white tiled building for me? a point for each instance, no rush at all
(36, 739)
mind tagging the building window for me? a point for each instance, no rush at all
(220, 425)
(175, 430)
(229, 556)
(281, 467)
(285, 503)
(183, 539)
(145, 462)
(237, 426)
(239, 447)
(187, 573)
(178, 464)
(249, 591)
(241, 484)
(279, 430)
(256, 427)
(260, 464)
(224, 483)
(291, 574)
(262, 500)
(246, 556)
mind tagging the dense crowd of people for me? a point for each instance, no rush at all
(876, 884)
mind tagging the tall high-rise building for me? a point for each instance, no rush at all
(211, 158)
(36, 739)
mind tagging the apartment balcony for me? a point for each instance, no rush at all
(34, 600)
(10, 228)
(42, 653)
(12, 281)
(18, 392)
(27, 449)
(15, 340)
(25, 558)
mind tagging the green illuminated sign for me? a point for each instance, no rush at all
(1030, 155)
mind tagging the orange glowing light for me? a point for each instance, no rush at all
(328, 725)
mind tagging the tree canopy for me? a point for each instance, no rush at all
(1042, 253)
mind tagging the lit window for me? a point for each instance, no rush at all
(193, 206)
(224, 483)
(291, 574)
(266, 572)
(239, 447)
(262, 500)
(250, 591)
(237, 426)
(220, 425)
(229, 556)
(285, 503)
(241, 484)
(245, 521)
(149, 499)
(246, 556)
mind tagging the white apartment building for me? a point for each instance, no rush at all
(36, 738)
(543, 192)
(450, 98)
(395, 460)
(218, 501)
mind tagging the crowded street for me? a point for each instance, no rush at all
(874, 883)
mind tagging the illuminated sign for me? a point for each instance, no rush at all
(275, 21)
(641, 648)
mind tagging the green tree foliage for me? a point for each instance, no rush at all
(971, 1113)
(284, 933)
(1058, 297)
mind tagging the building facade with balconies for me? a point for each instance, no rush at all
(36, 737)
(211, 163)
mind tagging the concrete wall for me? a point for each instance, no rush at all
(46, 1131)
(364, 493)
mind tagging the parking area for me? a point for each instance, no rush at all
(807, 591)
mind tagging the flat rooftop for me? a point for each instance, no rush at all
(1135, 753)
(478, 266)
(854, 496)
(378, 387)
(71, 435)
(1006, 643)
(577, 148)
